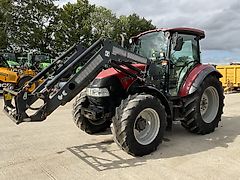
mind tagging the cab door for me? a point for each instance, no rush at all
(182, 61)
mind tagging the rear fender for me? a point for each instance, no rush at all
(196, 77)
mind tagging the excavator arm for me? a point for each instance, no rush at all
(61, 81)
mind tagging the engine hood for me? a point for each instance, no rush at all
(111, 75)
(112, 72)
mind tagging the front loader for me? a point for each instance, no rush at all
(139, 91)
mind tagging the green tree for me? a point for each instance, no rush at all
(5, 22)
(102, 23)
(73, 24)
(40, 24)
(33, 22)
(130, 26)
(85, 22)
(106, 24)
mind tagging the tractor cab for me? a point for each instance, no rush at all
(3, 62)
(41, 60)
(35, 60)
(173, 53)
(10, 59)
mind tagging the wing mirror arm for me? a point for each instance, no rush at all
(177, 42)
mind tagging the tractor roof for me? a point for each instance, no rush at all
(184, 30)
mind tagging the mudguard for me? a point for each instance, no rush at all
(196, 77)
(137, 88)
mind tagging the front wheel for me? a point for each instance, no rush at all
(139, 124)
(84, 123)
(203, 109)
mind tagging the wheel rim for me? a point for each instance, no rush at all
(209, 104)
(146, 126)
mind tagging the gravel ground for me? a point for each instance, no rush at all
(56, 149)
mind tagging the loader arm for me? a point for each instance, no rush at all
(61, 82)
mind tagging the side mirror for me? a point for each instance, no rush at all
(177, 42)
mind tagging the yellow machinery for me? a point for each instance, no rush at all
(231, 76)
(14, 76)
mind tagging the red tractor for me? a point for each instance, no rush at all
(140, 91)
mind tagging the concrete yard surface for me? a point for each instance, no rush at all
(57, 149)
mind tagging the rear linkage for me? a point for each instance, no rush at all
(61, 81)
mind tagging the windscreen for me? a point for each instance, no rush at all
(41, 58)
(9, 56)
(3, 62)
(151, 45)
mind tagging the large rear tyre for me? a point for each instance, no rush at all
(204, 108)
(139, 124)
(81, 121)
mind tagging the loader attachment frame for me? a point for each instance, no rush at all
(61, 82)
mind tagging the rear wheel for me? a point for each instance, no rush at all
(139, 124)
(84, 123)
(203, 109)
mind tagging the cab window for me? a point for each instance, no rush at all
(182, 60)
(188, 52)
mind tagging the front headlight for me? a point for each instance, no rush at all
(98, 92)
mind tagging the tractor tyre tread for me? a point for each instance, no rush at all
(81, 121)
(193, 121)
(122, 128)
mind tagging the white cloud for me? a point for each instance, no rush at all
(62, 2)
(220, 19)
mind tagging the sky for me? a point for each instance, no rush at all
(220, 19)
